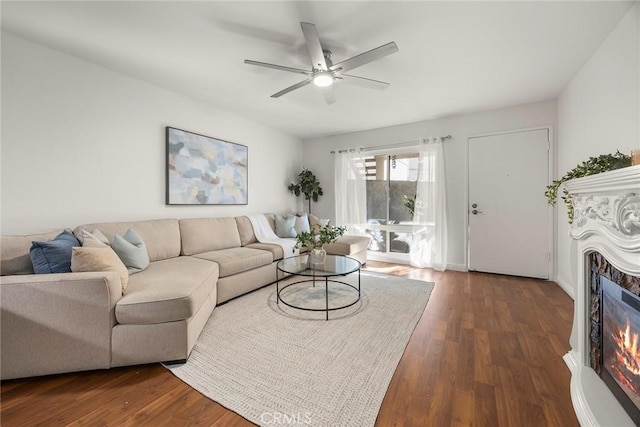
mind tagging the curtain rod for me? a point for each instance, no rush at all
(382, 147)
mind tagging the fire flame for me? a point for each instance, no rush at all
(627, 353)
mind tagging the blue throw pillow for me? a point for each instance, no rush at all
(53, 256)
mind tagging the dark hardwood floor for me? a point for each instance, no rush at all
(486, 352)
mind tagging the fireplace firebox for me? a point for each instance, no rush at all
(620, 346)
(614, 336)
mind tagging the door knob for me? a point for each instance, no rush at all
(476, 212)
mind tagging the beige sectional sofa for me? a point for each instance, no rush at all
(54, 323)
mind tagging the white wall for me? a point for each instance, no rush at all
(81, 143)
(598, 113)
(318, 159)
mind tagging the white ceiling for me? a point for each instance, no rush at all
(454, 57)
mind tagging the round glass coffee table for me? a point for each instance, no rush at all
(333, 266)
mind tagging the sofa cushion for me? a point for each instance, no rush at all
(347, 245)
(247, 236)
(245, 228)
(236, 260)
(161, 236)
(276, 250)
(14, 252)
(53, 256)
(208, 234)
(167, 291)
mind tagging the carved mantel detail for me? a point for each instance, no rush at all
(620, 212)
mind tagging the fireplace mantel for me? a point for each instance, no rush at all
(606, 220)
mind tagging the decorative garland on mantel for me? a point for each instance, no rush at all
(595, 165)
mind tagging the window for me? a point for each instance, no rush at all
(391, 191)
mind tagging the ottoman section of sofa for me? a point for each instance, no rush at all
(353, 246)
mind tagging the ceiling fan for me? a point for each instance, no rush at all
(324, 72)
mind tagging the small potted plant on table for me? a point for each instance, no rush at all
(317, 237)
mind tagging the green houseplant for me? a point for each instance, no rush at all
(409, 203)
(595, 165)
(317, 237)
(315, 240)
(308, 186)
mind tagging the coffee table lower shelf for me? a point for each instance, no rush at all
(326, 280)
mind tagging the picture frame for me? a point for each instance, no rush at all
(202, 170)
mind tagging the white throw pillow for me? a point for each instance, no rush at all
(302, 223)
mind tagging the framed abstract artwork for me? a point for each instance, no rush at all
(205, 171)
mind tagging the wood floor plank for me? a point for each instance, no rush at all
(485, 411)
(486, 352)
(464, 403)
(482, 357)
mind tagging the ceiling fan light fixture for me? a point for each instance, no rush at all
(323, 79)
(323, 71)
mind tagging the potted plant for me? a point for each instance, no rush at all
(317, 237)
(308, 185)
(595, 165)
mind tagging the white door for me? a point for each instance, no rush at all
(508, 211)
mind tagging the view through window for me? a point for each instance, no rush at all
(391, 191)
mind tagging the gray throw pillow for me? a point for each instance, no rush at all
(285, 226)
(131, 250)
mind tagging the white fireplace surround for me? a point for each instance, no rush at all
(606, 220)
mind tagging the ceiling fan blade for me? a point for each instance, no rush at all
(313, 46)
(365, 58)
(329, 94)
(363, 82)
(277, 67)
(291, 88)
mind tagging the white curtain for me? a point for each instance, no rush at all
(351, 192)
(429, 244)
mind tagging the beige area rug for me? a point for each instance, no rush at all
(274, 365)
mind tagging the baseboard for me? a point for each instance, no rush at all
(457, 267)
(404, 259)
(566, 287)
(388, 257)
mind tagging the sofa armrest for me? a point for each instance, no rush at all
(53, 323)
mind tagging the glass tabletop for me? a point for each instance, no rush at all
(334, 265)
